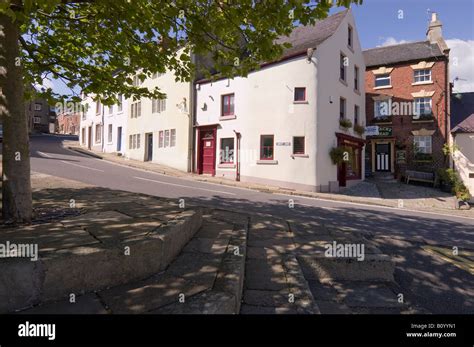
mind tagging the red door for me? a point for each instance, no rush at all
(208, 151)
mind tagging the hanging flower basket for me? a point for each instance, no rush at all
(337, 154)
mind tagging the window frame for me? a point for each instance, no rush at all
(356, 77)
(167, 138)
(304, 94)
(98, 133)
(119, 103)
(376, 109)
(422, 75)
(262, 147)
(356, 114)
(38, 106)
(342, 67)
(110, 133)
(173, 138)
(416, 143)
(342, 108)
(231, 96)
(418, 106)
(380, 77)
(350, 36)
(304, 145)
(161, 139)
(221, 150)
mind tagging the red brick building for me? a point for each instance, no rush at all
(407, 104)
(68, 123)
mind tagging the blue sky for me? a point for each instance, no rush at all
(378, 19)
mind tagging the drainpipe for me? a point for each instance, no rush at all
(237, 156)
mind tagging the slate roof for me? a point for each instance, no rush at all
(462, 106)
(404, 52)
(466, 126)
(310, 36)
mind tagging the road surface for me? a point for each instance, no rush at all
(436, 284)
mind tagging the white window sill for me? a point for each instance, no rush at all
(342, 81)
(300, 102)
(357, 91)
(383, 87)
(350, 48)
(421, 83)
(228, 117)
(300, 156)
(226, 166)
(267, 162)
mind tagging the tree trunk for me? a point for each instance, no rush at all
(16, 182)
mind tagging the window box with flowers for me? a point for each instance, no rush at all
(345, 123)
(359, 129)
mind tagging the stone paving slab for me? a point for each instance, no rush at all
(97, 218)
(84, 304)
(262, 275)
(252, 309)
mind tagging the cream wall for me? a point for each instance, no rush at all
(329, 88)
(176, 116)
(464, 159)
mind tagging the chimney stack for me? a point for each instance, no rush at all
(434, 33)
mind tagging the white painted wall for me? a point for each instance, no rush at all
(264, 106)
(92, 118)
(464, 159)
(116, 119)
(329, 88)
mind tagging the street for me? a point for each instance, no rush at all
(431, 281)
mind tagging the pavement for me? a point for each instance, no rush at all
(429, 280)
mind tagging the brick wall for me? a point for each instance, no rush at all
(402, 126)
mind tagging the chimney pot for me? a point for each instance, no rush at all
(434, 17)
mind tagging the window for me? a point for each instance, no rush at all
(343, 63)
(349, 36)
(298, 145)
(300, 94)
(342, 108)
(228, 105)
(136, 81)
(120, 103)
(382, 108)
(422, 144)
(167, 138)
(173, 138)
(158, 105)
(83, 136)
(130, 139)
(423, 75)
(98, 135)
(136, 109)
(160, 138)
(134, 141)
(38, 107)
(111, 109)
(266, 147)
(356, 114)
(157, 74)
(356, 78)
(227, 151)
(109, 137)
(382, 80)
(36, 120)
(138, 140)
(422, 106)
(97, 107)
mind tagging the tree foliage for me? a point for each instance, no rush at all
(96, 46)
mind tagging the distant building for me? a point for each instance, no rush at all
(41, 116)
(407, 101)
(68, 123)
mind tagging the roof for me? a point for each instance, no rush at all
(310, 36)
(466, 126)
(462, 106)
(404, 52)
